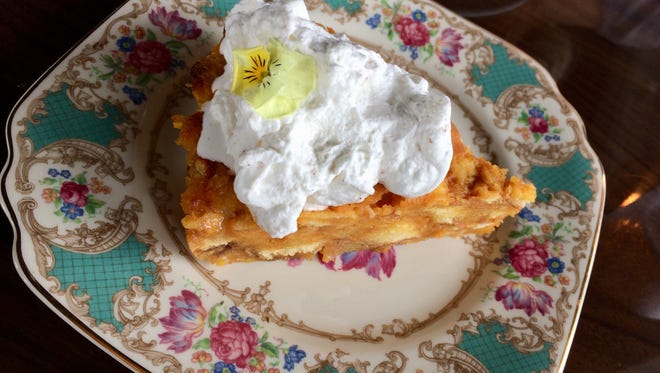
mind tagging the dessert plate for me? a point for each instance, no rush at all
(92, 187)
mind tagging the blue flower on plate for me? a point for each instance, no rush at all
(235, 314)
(414, 53)
(292, 357)
(529, 215)
(555, 265)
(136, 95)
(374, 21)
(536, 112)
(222, 367)
(126, 44)
(71, 211)
(418, 15)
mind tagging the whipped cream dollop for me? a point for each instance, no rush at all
(365, 122)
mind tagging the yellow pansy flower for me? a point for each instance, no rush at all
(274, 80)
(250, 68)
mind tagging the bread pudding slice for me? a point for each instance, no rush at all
(475, 197)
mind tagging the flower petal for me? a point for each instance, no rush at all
(292, 78)
(250, 68)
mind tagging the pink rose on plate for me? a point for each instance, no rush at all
(411, 32)
(538, 125)
(74, 193)
(529, 257)
(234, 342)
(150, 57)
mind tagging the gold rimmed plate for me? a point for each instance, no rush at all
(94, 176)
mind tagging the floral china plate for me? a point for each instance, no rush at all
(92, 187)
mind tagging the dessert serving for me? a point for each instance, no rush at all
(306, 143)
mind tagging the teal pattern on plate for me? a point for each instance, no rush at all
(64, 121)
(503, 73)
(350, 6)
(218, 8)
(497, 356)
(573, 176)
(103, 275)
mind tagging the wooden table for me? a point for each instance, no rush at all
(615, 88)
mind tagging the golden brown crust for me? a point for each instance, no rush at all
(475, 197)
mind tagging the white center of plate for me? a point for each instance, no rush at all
(427, 277)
